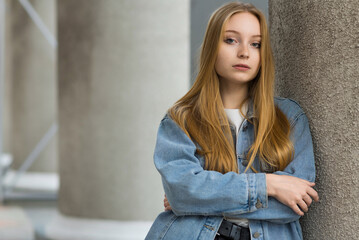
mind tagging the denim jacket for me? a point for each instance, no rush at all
(200, 199)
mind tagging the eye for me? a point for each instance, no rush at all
(256, 45)
(229, 40)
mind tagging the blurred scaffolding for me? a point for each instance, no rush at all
(18, 186)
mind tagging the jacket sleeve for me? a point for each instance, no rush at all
(302, 166)
(191, 190)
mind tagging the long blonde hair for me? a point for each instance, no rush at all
(200, 113)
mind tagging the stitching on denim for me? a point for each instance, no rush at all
(299, 113)
(295, 119)
(167, 226)
(249, 192)
(209, 227)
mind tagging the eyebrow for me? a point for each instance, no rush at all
(239, 33)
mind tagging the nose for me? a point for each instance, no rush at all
(243, 52)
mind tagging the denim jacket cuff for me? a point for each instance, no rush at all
(258, 197)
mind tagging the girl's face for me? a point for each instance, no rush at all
(238, 59)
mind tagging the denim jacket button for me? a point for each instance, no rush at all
(245, 163)
(256, 235)
(259, 204)
(245, 128)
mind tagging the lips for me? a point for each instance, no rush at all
(242, 66)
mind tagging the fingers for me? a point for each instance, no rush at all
(297, 193)
(296, 209)
(166, 204)
(168, 208)
(303, 205)
(308, 200)
(313, 194)
(307, 182)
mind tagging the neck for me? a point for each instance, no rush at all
(233, 94)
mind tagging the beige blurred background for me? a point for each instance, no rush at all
(85, 83)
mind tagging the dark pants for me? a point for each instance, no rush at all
(244, 237)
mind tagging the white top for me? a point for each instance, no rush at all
(235, 118)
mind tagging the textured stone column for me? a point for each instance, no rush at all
(31, 100)
(121, 65)
(316, 48)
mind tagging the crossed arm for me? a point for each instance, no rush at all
(285, 195)
(289, 195)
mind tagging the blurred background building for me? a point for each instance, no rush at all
(85, 83)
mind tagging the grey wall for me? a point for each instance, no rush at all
(201, 11)
(122, 64)
(316, 50)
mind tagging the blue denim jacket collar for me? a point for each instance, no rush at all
(250, 113)
(250, 110)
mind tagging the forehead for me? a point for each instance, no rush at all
(243, 23)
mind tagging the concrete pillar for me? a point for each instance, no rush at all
(316, 49)
(121, 65)
(31, 99)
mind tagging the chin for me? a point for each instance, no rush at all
(241, 81)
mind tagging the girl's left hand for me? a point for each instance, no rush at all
(166, 204)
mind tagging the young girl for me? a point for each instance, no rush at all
(236, 162)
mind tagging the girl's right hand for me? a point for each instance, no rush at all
(294, 192)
